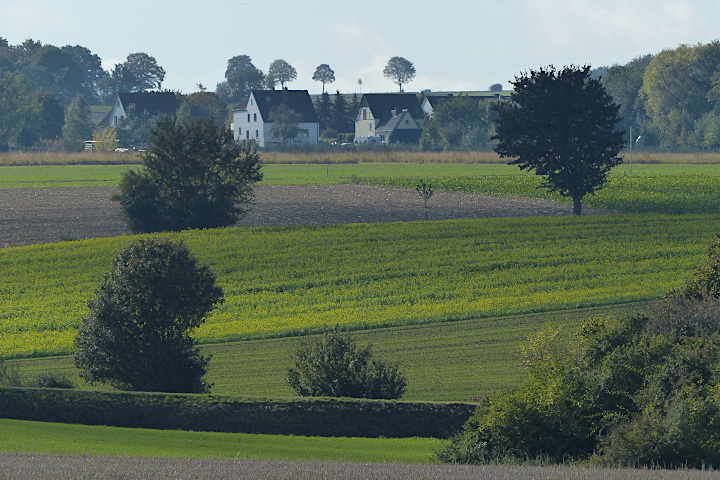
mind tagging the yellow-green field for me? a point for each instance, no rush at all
(284, 281)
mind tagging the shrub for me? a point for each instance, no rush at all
(50, 380)
(137, 334)
(195, 176)
(642, 390)
(333, 366)
(9, 375)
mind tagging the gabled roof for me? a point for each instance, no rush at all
(382, 105)
(155, 103)
(435, 100)
(297, 100)
(393, 123)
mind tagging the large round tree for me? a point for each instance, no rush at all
(400, 70)
(137, 335)
(563, 125)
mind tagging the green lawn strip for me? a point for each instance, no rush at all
(454, 361)
(46, 176)
(290, 280)
(56, 438)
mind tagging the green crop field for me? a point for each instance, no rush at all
(57, 438)
(285, 281)
(45, 176)
(657, 190)
(450, 361)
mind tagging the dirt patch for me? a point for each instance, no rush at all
(45, 215)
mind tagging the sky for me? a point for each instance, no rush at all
(455, 45)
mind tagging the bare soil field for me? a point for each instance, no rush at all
(46, 215)
(77, 467)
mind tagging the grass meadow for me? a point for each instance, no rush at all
(57, 438)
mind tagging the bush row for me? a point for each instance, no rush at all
(306, 417)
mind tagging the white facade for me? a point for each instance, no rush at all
(249, 124)
(117, 113)
(365, 125)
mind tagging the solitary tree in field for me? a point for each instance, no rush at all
(195, 176)
(400, 70)
(136, 336)
(325, 74)
(563, 125)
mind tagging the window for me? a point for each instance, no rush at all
(370, 126)
(248, 118)
(247, 134)
(257, 134)
(255, 117)
(364, 114)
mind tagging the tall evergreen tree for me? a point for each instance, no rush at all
(323, 107)
(339, 117)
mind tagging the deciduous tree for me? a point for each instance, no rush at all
(195, 176)
(137, 335)
(137, 73)
(325, 74)
(458, 123)
(13, 98)
(563, 125)
(280, 72)
(285, 122)
(400, 70)
(623, 83)
(77, 128)
(241, 77)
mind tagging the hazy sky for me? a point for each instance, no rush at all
(454, 44)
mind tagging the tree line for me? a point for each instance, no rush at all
(672, 99)
(667, 101)
(47, 92)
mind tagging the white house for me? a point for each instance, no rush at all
(253, 120)
(381, 116)
(154, 103)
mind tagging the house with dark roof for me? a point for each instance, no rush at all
(152, 103)
(430, 103)
(253, 121)
(388, 117)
